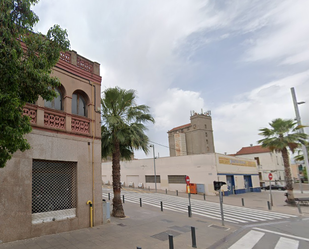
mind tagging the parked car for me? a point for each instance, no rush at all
(276, 186)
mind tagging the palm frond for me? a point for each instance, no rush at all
(123, 121)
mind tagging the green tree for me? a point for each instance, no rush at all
(123, 131)
(26, 60)
(283, 135)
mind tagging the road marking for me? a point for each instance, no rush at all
(282, 234)
(248, 241)
(207, 209)
(285, 243)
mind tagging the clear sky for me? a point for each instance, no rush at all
(237, 58)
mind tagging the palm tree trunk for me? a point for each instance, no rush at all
(288, 177)
(117, 204)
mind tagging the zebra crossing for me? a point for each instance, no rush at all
(257, 238)
(233, 214)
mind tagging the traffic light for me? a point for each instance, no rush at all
(217, 185)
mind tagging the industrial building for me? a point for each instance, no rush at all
(192, 154)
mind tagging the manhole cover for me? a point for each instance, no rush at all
(164, 235)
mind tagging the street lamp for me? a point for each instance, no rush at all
(154, 166)
(299, 123)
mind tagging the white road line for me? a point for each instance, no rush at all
(248, 241)
(285, 243)
(232, 214)
(282, 234)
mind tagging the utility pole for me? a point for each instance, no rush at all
(302, 129)
(154, 166)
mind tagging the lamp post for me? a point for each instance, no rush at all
(299, 123)
(154, 166)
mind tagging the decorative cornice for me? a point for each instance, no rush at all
(79, 72)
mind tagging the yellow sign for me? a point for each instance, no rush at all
(188, 189)
(237, 162)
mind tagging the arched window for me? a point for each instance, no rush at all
(78, 105)
(56, 103)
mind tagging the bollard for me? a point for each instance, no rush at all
(243, 202)
(122, 198)
(189, 212)
(176, 192)
(170, 240)
(193, 237)
(204, 197)
(149, 188)
(299, 210)
(165, 191)
(109, 196)
(140, 202)
(161, 206)
(269, 206)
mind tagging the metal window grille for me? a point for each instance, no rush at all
(177, 179)
(53, 186)
(151, 179)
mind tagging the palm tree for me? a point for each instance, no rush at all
(122, 132)
(282, 135)
(300, 156)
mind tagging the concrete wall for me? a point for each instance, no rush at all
(16, 185)
(200, 168)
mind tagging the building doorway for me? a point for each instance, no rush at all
(230, 184)
(248, 183)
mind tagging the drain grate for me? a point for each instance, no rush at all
(121, 224)
(164, 235)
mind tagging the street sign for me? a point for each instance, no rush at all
(187, 180)
(270, 176)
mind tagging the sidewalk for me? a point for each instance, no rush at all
(146, 227)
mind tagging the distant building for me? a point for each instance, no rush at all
(266, 160)
(192, 154)
(240, 175)
(45, 189)
(194, 138)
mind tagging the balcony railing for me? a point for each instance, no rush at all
(56, 120)
(80, 125)
(30, 111)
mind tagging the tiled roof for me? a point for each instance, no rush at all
(253, 150)
(180, 127)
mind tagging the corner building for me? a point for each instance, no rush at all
(45, 190)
